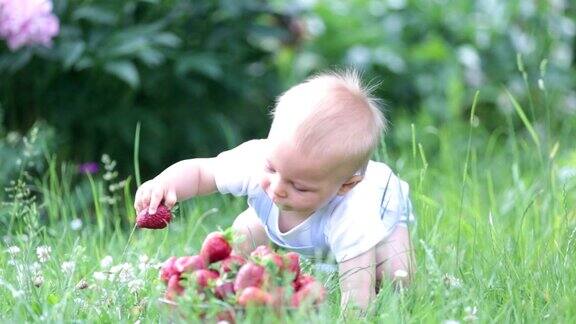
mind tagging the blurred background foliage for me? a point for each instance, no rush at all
(201, 76)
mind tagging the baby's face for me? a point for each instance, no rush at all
(297, 182)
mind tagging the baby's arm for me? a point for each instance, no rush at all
(357, 279)
(180, 181)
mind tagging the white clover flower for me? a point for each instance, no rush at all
(451, 282)
(38, 280)
(100, 276)
(80, 302)
(471, 313)
(106, 262)
(17, 294)
(124, 271)
(76, 224)
(43, 253)
(82, 284)
(35, 268)
(144, 263)
(68, 267)
(13, 250)
(143, 258)
(135, 285)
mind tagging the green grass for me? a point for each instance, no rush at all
(495, 237)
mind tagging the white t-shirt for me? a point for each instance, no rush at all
(347, 226)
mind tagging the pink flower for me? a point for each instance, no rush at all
(27, 22)
(88, 167)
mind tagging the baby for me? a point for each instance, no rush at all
(311, 185)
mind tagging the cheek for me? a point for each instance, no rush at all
(264, 182)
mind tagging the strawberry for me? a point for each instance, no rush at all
(254, 296)
(174, 288)
(301, 281)
(264, 255)
(168, 270)
(292, 263)
(189, 263)
(159, 220)
(273, 258)
(224, 289)
(249, 275)
(232, 263)
(216, 246)
(313, 292)
(204, 276)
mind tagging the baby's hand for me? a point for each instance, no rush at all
(153, 192)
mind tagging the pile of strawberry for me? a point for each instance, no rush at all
(265, 278)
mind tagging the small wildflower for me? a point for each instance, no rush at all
(106, 262)
(82, 284)
(38, 280)
(100, 276)
(143, 258)
(76, 224)
(470, 314)
(124, 271)
(135, 285)
(35, 268)
(80, 302)
(43, 253)
(13, 250)
(68, 267)
(451, 282)
(88, 168)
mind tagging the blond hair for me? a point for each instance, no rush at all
(331, 113)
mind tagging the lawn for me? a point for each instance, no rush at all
(495, 235)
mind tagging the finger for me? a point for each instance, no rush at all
(155, 199)
(170, 199)
(138, 199)
(144, 199)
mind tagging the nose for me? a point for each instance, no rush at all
(277, 187)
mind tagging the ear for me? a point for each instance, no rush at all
(349, 184)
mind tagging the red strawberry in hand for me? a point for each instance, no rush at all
(254, 296)
(250, 275)
(160, 219)
(216, 246)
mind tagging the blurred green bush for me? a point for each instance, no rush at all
(202, 75)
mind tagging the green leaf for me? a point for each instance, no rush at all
(524, 119)
(95, 15)
(167, 39)
(71, 53)
(53, 299)
(125, 71)
(202, 63)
